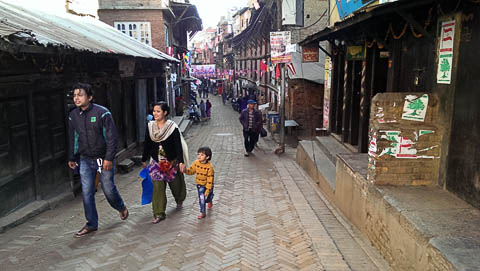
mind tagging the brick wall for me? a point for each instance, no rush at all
(155, 17)
(304, 104)
(131, 4)
(403, 149)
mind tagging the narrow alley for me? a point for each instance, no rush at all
(266, 216)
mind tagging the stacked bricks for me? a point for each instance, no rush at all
(403, 151)
(304, 104)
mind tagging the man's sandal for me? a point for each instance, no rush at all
(84, 231)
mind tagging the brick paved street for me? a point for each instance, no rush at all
(266, 216)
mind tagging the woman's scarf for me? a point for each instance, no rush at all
(160, 134)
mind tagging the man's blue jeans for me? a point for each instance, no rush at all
(88, 171)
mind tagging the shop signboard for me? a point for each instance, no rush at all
(310, 54)
(347, 7)
(279, 42)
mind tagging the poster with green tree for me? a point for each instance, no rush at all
(415, 108)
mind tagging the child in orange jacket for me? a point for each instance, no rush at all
(204, 178)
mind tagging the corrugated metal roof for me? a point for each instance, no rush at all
(70, 31)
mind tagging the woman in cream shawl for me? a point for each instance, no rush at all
(163, 138)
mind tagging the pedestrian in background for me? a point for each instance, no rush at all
(251, 120)
(164, 142)
(208, 108)
(203, 109)
(203, 178)
(93, 142)
(224, 97)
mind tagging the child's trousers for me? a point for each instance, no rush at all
(201, 197)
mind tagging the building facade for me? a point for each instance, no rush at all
(36, 96)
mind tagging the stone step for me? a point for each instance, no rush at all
(125, 166)
(184, 126)
(316, 158)
(331, 147)
(178, 120)
(137, 159)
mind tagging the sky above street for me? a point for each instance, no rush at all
(210, 10)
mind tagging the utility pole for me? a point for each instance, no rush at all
(281, 145)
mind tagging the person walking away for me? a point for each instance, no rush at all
(164, 142)
(208, 108)
(251, 120)
(203, 178)
(203, 109)
(224, 97)
(93, 142)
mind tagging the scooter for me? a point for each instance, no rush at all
(235, 104)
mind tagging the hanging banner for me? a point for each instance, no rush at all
(203, 70)
(309, 54)
(326, 93)
(445, 53)
(279, 41)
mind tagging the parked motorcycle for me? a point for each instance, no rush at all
(235, 104)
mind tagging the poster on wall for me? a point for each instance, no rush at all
(279, 42)
(445, 53)
(415, 108)
(326, 95)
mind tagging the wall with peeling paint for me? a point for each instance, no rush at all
(405, 139)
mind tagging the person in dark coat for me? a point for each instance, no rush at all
(251, 120)
(208, 108)
(93, 143)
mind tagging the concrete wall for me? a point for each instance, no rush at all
(313, 20)
(155, 17)
(395, 238)
(404, 149)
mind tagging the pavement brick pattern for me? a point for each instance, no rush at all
(266, 216)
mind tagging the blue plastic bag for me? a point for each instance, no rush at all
(147, 186)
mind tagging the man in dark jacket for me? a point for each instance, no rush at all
(93, 142)
(251, 120)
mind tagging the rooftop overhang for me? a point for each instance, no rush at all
(187, 14)
(261, 20)
(353, 23)
(25, 30)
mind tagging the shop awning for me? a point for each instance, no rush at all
(362, 16)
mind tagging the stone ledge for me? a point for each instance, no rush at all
(414, 228)
(32, 209)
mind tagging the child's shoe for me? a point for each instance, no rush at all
(210, 205)
(202, 215)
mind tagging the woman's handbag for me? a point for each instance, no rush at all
(263, 133)
(162, 171)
